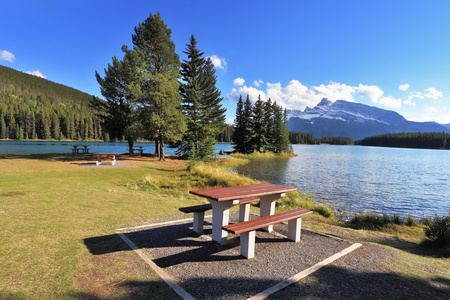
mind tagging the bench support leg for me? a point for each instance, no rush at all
(267, 207)
(221, 216)
(199, 219)
(244, 212)
(247, 240)
(294, 229)
(113, 162)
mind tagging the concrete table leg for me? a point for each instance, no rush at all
(221, 216)
(244, 212)
(267, 207)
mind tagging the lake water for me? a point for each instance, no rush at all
(356, 179)
(41, 147)
(352, 178)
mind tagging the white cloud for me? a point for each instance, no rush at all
(403, 87)
(390, 102)
(229, 121)
(432, 94)
(218, 62)
(295, 95)
(409, 102)
(258, 83)
(36, 73)
(432, 109)
(239, 81)
(6, 55)
(243, 91)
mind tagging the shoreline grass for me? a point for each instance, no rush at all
(58, 222)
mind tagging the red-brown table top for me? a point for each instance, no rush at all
(239, 192)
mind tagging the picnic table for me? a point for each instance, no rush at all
(222, 199)
(80, 149)
(140, 150)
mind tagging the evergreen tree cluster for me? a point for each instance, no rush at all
(337, 140)
(146, 99)
(35, 108)
(302, 138)
(260, 127)
(226, 134)
(426, 140)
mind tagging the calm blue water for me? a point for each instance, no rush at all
(41, 147)
(356, 179)
(353, 178)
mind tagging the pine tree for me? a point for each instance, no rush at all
(3, 131)
(238, 132)
(157, 65)
(269, 122)
(201, 104)
(259, 127)
(248, 128)
(118, 112)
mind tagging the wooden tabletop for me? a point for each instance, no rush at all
(239, 192)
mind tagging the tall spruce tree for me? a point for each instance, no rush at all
(259, 140)
(119, 111)
(248, 127)
(201, 102)
(237, 137)
(157, 66)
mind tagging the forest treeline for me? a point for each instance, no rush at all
(35, 108)
(425, 140)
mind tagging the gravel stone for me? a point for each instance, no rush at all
(208, 270)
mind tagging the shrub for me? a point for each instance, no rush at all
(439, 231)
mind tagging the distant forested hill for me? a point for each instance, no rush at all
(35, 108)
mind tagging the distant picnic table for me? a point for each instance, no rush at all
(80, 149)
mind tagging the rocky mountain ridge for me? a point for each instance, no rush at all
(354, 120)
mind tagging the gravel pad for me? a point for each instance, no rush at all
(207, 270)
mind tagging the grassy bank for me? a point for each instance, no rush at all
(58, 218)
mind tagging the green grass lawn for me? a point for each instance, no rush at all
(58, 222)
(49, 205)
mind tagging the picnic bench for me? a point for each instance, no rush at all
(247, 229)
(199, 212)
(101, 156)
(80, 149)
(222, 199)
(139, 150)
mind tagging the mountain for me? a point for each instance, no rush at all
(354, 120)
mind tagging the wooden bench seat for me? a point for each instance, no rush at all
(196, 208)
(247, 229)
(199, 215)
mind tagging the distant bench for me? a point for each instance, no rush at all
(139, 150)
(101, 156)
(80, 149)
(199, 212)
(247, 229)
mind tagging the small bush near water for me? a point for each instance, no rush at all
(439, 231)
(371, 221)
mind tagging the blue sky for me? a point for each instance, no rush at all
(389, 54)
